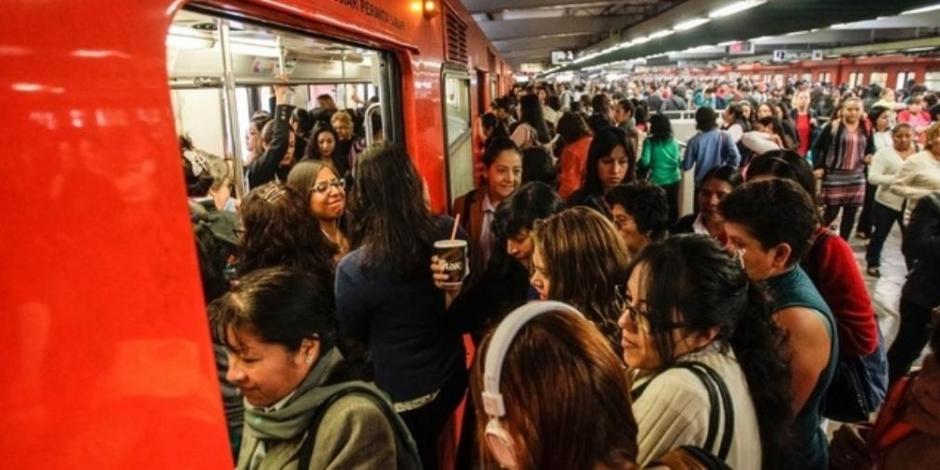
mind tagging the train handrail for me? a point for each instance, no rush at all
(368, 121)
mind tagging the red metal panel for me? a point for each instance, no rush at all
(107, 355)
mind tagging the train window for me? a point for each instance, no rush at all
(902, 79)
(855, 79)
(457, 129)
(825, 77)
(807, 77)
(931, 80)
(221, 72)
(881, 78)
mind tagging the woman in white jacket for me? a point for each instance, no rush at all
(699, 340)
(886, 210)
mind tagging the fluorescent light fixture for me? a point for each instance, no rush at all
(796, 33)
(691, 24)
(736, 7)
(250, 49)
(726, 43)
(187, 42)
(661, 34)
(921, 10)
(641, 40)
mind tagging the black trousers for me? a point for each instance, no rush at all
(883, 218)
(672, 197)
(913, 335)
(848, 219)
(866, 218)
(427, 422)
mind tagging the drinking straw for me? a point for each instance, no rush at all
(453, 232)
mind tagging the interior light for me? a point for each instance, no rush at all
(735, 7)
(255, 50)
(921, 10)
(641, 40)
(174, 41)
(687, 25)
(431, 8)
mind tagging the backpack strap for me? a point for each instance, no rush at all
(717, 390)
(306, 450)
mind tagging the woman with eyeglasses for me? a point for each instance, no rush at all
(640, 212)
(325, 192)
(706, 357)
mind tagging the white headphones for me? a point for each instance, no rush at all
(498, 440)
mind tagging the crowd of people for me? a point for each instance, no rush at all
(607, 329)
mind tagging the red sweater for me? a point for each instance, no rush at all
(831, 265)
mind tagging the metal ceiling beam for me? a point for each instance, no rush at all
(573, 42)
(548, 27)
(776, 17)
(495, 6)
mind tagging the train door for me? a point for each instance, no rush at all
(458, 133)
(221, 72)
(901, 79)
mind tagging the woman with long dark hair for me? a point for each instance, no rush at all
(532, 129)
(610, 162)
(690, 306)
(386, 297)
(325, 191)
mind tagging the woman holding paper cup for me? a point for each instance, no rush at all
(385, 295)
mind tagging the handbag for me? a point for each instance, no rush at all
(858, 386)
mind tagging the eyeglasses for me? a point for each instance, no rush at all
(639, 317)
(324, 186)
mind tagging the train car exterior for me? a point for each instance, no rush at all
(108, 358)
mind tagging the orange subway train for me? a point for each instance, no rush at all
(108, 359)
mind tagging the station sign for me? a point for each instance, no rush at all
(562, 57)
(783, 55)
(531, 67)
(741, 48)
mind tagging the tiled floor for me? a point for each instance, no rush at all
(885, 290)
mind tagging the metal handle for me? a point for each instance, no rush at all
(368, 121)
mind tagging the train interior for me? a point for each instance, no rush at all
(204, 50)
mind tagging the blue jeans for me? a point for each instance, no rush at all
(883, 218)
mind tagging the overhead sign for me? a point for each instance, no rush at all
(817, 55)
(531, 67)
(741, 48)
(780, 55)
(562, 57)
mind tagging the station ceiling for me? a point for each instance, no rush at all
(526, 31)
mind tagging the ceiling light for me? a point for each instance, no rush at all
(251, 49)
(735, 7)
(187, 42)
(661, 34)
(921, 10)
(641, 40)
(687, 25)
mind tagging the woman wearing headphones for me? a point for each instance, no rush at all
(573, 413)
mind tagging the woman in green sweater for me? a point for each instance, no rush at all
(662, 160)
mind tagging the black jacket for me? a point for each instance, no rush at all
(922, 243)
(266, 166)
